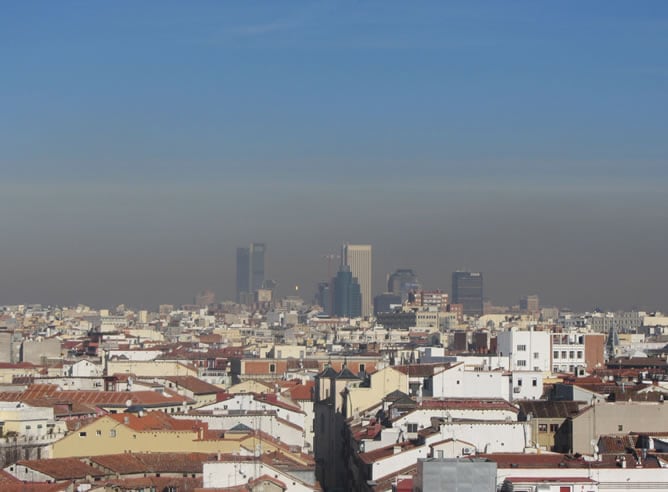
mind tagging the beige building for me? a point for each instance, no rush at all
(128, 432)
(358, 258)
(611, 418)
(150, 368)
(383, 382)
(22, 369)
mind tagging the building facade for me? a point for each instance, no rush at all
(357, 257)
(467, 291)
(250, 271)
(348, 300)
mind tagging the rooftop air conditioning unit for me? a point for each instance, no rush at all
(467, 451)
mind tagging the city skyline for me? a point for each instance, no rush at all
(330, 245)
(143, 143)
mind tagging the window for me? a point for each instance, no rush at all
(521, 363)
(521, 348)
(98, 433)
(411, 428)
(554, 427)
(542, 427)
(536, 355)
(571, 354)
(82, 434)
(272, 368)
(519, 382)
(579, 354)
(362, 367)
(620, 427)
(563, 354)
(112, 433)
(39, 426)
(28, 427)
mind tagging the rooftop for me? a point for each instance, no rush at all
(62, 468)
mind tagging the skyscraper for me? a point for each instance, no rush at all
(347, 296)
(250, 271)
(403, 281)
(467, 291)
(357, 257)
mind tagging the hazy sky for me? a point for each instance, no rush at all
(142, 142)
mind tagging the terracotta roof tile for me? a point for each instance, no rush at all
(302, 392)
(130, 463)
(380, 453)
(155, 421)
(196, 385)
(62, 468)
(182, 484)
(469, 404)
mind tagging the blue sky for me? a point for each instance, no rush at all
(121, 121)
(483, 89)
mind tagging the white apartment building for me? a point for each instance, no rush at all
(462, 381)
(529, 350)
(568, 352)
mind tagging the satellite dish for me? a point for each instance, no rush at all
(128, 403)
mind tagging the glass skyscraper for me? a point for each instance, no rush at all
(467, 291)
(250, 271)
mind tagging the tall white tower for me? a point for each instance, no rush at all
(358, 258)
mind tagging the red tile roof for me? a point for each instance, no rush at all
(155, 421)
(18, 365)
(302, 392)
(62, 468)
(550, 479)
(380, 453)
(182, 484)
(469, 404)
(119, 399)
(50, 395)
(131, 463)
(36, 487)
(196, 385)
(267, 478)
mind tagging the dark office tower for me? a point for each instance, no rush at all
(347, 294)
(250, 271)
(401, 282)
(324, 297)
(384, 303)
(467, 291)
